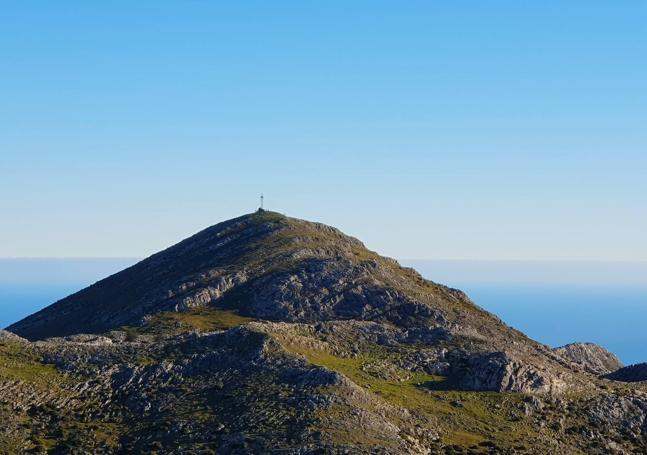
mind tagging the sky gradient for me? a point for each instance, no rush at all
(461, 130)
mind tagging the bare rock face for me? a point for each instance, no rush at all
(631, 373)
(620, 414)
(499, 372)
(591, 357)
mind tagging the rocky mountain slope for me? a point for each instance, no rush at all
(593, 358)
(267, 334)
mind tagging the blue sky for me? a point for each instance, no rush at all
(466, 130)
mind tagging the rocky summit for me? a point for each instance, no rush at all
(593, 358)
(268, 334)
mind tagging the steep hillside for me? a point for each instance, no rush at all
(267, 266)
(268, 334)
(631, 373)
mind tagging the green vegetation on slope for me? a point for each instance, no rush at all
(18, 364)
(204, 319)
(471, 420)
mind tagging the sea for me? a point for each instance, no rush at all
(552, 302)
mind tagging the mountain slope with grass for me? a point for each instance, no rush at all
(268, 334)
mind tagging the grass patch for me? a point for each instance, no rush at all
(481, 416)
(16, 363)
(201, 320)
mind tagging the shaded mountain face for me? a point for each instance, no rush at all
(631, 373)
(267, 334)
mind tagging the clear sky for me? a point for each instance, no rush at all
(480, 130)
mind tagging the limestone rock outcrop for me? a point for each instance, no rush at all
(591, 357)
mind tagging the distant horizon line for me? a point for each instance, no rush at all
(587, 261)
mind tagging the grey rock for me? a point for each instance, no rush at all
(622, 414)
(499, 372)
(591, 357)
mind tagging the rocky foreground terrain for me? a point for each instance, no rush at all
(267, 334)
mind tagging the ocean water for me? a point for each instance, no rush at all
(558, 303)
(28, 285)
(554, 303)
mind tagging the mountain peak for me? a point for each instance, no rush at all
(268, 266)
(198, 271)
